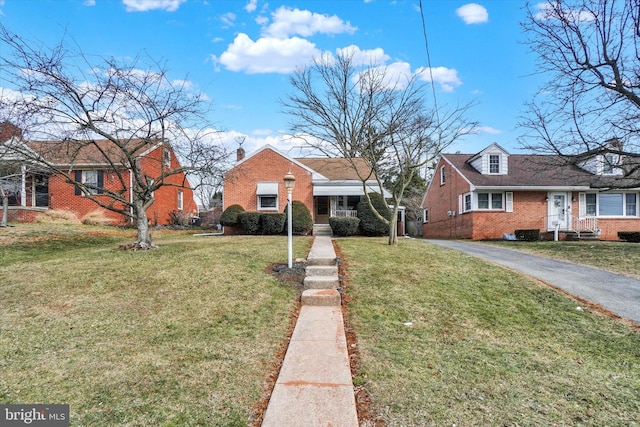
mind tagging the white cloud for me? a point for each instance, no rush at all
(364, 57)
(251, 6)
(267, 54)
(228, 19)
(487, 129)
(447, 78)
(288, 22)
(473, 13)
(86, 3)
(146, 5)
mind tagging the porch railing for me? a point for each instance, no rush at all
(582, 224)
(344, 213)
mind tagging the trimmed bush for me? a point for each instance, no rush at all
(272, 223)
(230, 215)
(344, 226)
(302, 223)
(250, 222)
(370, 225)
(529, 235)
(629, 236)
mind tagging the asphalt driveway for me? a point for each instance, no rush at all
(616, 293)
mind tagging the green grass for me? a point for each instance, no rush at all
(487, 347)
(617, 257)
(180, 336)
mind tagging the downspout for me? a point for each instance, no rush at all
(131, 221)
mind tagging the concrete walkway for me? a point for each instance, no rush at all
(616, 293)
(314, 387)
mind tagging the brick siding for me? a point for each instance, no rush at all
(240, 184)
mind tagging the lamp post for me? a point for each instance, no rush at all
(289, 183)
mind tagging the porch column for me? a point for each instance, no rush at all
(23, 185)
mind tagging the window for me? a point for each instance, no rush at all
(94, 180)
(425, 215)
(180, 199)
(609, 163)
(167, 157)
(494, 163)
(442, 175)
(267, 202)
(496, 201)
(490, 201)
(631, 204)
(591, 206)
(467, 202)
(611, 204)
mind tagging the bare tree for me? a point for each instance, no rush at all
(108, 112)
(367, 113)
(591, 102)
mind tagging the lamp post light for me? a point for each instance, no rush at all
(289, 183)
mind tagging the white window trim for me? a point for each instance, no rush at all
(463, 206)
(425, 216)
(499, 164)
(582, 205)
(180, 200)
(475, 202)
(443, 178)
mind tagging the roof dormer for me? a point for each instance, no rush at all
(493, 160)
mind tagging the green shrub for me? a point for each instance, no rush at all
(272, 223)
(629, 236)
(302, 223)
(528, 235)
(250, 222)
(344, 226)
(370, 224)
(230, 215)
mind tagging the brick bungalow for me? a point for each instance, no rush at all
(327, 186)
(493, 193)
(33, 190)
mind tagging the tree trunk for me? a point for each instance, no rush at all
(143, 239)
(393, 226)
(5, 210)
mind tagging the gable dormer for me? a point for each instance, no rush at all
(493, 160)
(607, 161)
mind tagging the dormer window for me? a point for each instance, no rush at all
(494, 163)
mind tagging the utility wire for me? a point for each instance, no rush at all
(426, 45)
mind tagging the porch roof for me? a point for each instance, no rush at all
(344, 188)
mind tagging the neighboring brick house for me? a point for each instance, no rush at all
(33, 190)
(493, 193)
(327, 186)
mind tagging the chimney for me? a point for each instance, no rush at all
(240, 154)
(8, 130)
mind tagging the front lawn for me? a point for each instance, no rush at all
(447, 339)
(183, 335)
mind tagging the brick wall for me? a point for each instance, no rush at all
(240, 183)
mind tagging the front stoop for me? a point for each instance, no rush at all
(322, 230)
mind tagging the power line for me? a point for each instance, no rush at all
(426, 45)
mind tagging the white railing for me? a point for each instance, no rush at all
(585, 223)
(344, 213)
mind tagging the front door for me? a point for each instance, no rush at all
(321, 211)
(558, 211)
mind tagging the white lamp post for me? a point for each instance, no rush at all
(289, 183)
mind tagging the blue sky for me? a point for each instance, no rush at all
(240, 52)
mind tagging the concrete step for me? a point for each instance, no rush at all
(321, 297)
(322, 230)
(322, 270)
(321, 282)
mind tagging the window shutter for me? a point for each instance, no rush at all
(77, 176)
(460, 203)
(508, 197)
(582, 204)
